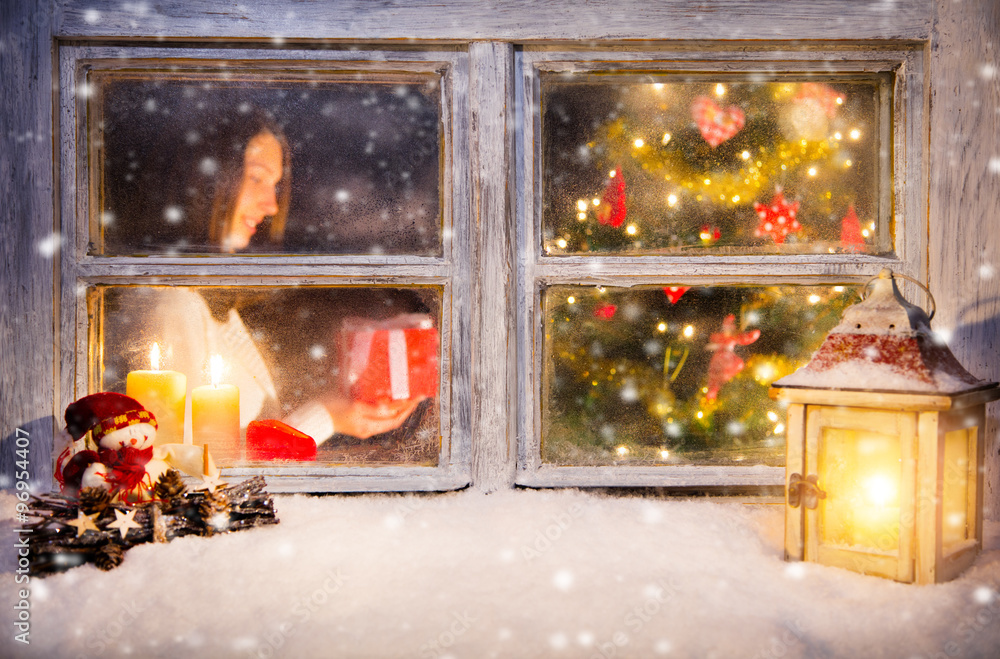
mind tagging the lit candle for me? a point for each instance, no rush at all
(215, 414)
(162, 393)
(876, 514)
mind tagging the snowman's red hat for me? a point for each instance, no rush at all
(104, 413)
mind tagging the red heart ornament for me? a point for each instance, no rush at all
(716, 125)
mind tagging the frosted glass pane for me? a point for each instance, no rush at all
(655, 163)
(860, 472)
(354, 167)
(364, 359)
(675, 374)
(955, 499)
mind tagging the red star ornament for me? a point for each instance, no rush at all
(675, 293)
(716, 124)
(850, 231)
(777, 219)
(612, 208)
(725, 363)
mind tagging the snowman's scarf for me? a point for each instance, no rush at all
(126, 466)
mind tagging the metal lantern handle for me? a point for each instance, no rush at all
(930, 297)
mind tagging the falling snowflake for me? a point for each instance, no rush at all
(563, 580)
(984, 595)
(48, 246)
(173, 214)
(208, 166)
(795, 570)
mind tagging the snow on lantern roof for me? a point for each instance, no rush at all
(884, 343)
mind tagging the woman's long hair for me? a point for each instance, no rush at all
(213, 175)
(225, 176)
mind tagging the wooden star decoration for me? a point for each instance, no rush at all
(84, 523)
(211, 482)
(777, 219)
(124, 521)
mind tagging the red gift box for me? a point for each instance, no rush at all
(395, 359)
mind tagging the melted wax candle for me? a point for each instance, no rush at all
(215, 415)
(163, 393)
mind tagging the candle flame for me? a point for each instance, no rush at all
(154, 356)
(215, 368)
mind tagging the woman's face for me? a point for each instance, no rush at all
(257, 198)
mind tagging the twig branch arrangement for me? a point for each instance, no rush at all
(72, 532)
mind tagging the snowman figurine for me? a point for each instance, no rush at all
(123, 463)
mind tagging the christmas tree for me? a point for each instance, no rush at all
(675, 373)
(688, 168)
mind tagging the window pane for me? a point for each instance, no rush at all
(659, 164)
(675, 375)
(959, 447)
(354, 368)
(180, 167)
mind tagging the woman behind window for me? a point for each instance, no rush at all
(235, 198)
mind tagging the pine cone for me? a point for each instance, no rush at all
(109, 556)
(214, 511)
(94, 500)
(169, 485)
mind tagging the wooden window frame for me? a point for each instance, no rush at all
(953, 176)
(902, 205)
(81, 270)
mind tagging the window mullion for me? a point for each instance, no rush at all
(492, 147)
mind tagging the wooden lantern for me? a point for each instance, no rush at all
(884, 470)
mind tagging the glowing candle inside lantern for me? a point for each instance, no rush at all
(876, 514)
(163, 393)
(215, 414)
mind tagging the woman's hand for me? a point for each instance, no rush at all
(362, 420)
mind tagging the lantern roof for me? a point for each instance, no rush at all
(884, 343)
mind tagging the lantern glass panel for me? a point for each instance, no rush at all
(955, 496)
(860, 471)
